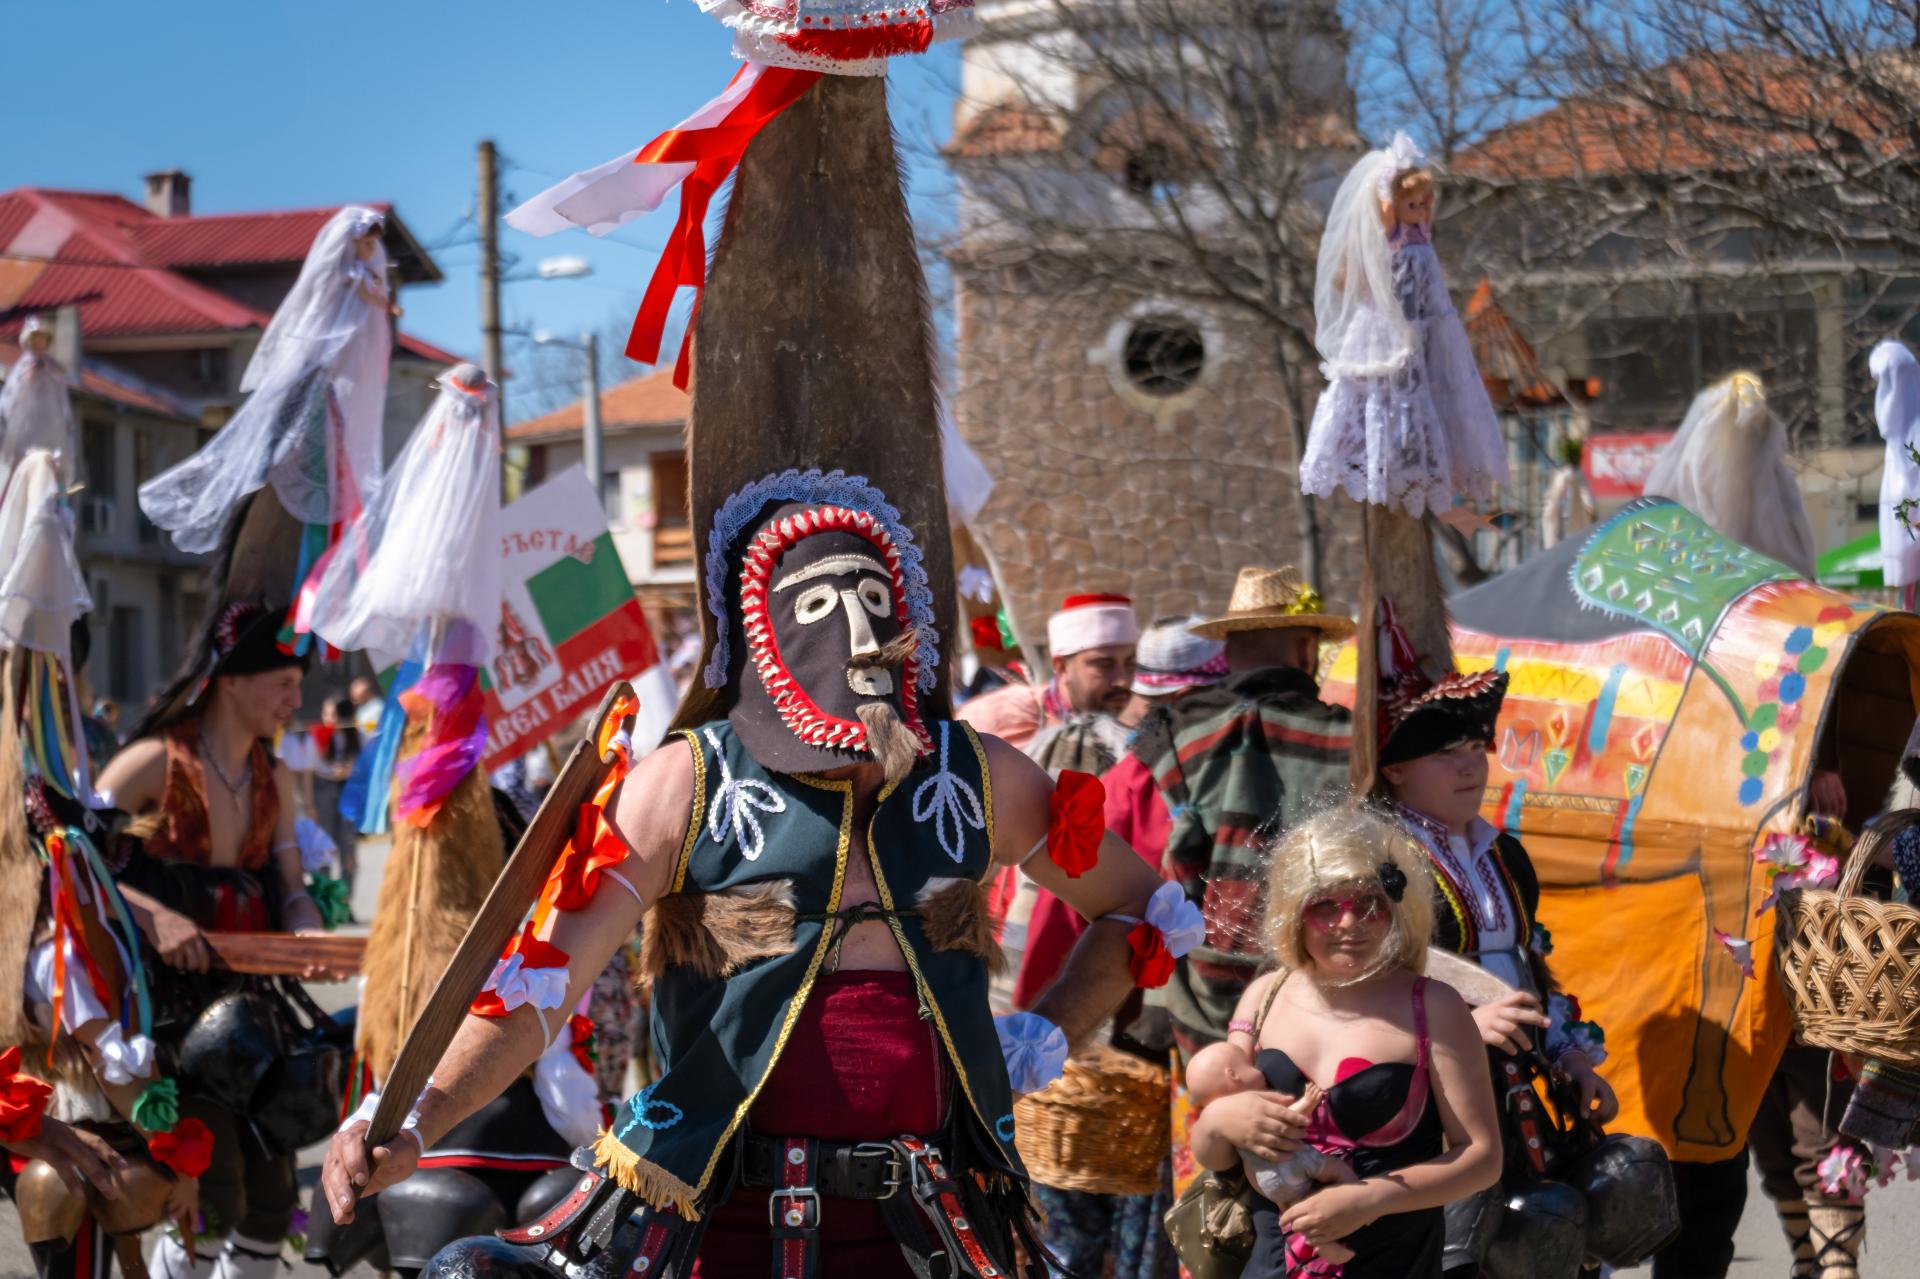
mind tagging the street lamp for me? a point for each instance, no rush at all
(564, 268)
(589, 346)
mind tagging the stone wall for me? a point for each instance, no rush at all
(1103, 485)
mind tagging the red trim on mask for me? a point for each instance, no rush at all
(798, 710)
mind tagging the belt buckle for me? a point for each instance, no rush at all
(896, 1167)
(794, 1216)
(926, 1166)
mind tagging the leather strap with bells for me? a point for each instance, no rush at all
(1526, 1113)
(794, 1211)
(962, 1253)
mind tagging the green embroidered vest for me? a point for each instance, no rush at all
(719, 1037)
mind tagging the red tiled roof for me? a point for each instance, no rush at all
(1687, 116)
(120, 264)
(1006, 130)
(233, 239)
(119, 390)
(648, 400)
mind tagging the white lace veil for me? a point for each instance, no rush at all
(422, 561)
(312, 324)
(1359, 327)
(324, 336)
(1728, 465)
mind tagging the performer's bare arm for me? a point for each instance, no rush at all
(134, 781)
(1096, 979)
(297, 910)
(488, 1053)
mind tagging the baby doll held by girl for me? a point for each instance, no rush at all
(1404, 1096)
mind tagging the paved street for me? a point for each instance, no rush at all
(1894, 1214)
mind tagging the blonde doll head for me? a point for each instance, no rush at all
(1348, 898)
(1409, 199)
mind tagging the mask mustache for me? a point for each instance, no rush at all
(891, 656)
(891, 743)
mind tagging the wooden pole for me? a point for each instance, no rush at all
(489, 216)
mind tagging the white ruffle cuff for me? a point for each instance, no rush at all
(1180, 922)
(1035, 1049)
(516, 984)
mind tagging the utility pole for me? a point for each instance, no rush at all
(590, 433)
(489, 214)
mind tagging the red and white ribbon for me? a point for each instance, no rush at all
(698, 154)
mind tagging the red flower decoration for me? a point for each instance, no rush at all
(187, 1150)
(986, 633)
(23, 1100)
(582, 1045)
(1076, 822)
(1151, 963)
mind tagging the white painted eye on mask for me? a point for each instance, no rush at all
(815, 603)
(876, 598)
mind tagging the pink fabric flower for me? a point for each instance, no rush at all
(1740, 948)
(1845, 1172)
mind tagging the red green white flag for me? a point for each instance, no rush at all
(569, 624)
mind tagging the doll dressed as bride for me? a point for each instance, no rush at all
(1405, 421)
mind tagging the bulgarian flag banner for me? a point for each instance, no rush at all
(569, 624)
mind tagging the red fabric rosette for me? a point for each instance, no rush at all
(1150, 962)
(187, 1150)
(1076, 822)
(582, 1045)
(23, 1100)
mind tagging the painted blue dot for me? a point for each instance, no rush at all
(1750, 791)
(1798, 638)
(1792, 688)
(1749, 741)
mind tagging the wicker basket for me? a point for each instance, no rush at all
(1101, 1127)
(1851, 965)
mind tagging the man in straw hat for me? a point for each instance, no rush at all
(1237, 764)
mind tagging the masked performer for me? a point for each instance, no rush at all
(311, 426)
(810, 848)
(72, 988)
(34, 410)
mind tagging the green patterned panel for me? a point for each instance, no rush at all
(1665, 567)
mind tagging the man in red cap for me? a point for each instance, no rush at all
(1091, 643)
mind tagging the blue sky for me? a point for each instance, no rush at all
(283, 104)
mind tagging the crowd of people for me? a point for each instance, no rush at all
(1302, 919)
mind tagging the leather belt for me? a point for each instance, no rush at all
(841, 1169)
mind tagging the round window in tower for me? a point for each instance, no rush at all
(1163, 355)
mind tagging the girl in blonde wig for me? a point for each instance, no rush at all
(1404, 1095)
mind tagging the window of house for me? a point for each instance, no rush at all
(210, 367)
(1163, 355)
(672, 527)
(96, 449)
(126, 677)
(145, 468)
